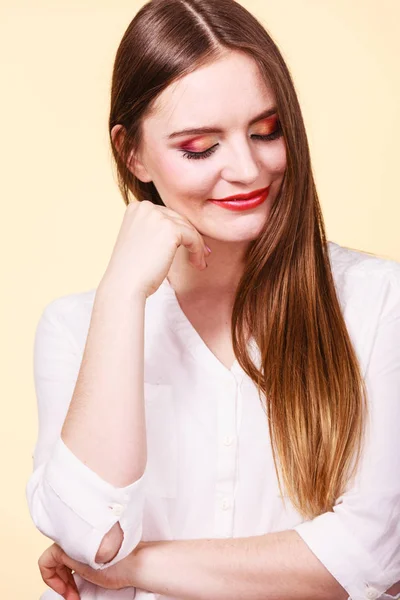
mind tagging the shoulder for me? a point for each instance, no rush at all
(69, 304)
(351, 261)
(368, 289)
(365, 276)
(70, 315)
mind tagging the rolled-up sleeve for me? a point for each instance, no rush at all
(359, 542)
(68, 502)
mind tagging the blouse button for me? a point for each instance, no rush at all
(117, 509)
(225, 504)
(228, 439)
(372, 593)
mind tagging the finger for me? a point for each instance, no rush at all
(73, 583)
(56, 575)
(182, 220)
(50, 559)
(72, 594)
(52, 578)
(56, 583)
(190, 237)
(194, 243)
(75, 565)
(62, 571)
(70, 589)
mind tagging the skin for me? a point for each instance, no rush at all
(56, 569)
(228, 93)
(274, 565)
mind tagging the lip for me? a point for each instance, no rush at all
(241, 196)
(247, 204)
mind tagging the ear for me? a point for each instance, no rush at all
(134, 164)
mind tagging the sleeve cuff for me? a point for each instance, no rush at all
(97, 502)
(339, 551)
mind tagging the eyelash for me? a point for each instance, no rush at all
(265, 138)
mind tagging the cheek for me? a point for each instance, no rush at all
(182, 183)
(274, 159)
(193, 178)
(185, 174)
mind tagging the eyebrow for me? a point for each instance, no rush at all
(212, 129)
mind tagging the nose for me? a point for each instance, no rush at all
(241, 166)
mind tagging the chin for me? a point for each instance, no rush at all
(245, 231)
(244, 237)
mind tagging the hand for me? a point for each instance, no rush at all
(56, 570)
(146, 246)
(56, 574)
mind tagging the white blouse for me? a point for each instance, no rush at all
(210, 471)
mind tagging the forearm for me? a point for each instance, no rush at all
(275, 566)
(105, 423)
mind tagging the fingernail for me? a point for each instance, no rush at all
(209, 249)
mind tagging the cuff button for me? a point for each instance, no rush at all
(117, 509)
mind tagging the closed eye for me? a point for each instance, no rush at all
(264, 138)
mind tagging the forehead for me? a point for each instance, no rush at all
(227, 92)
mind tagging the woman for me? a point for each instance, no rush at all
(209, 417)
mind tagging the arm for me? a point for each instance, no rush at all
(86, 492)
(275, 566)
(105, 424)
(357, 544)
(363, 530)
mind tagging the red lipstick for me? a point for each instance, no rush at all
(243, 201)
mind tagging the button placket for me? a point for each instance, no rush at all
(225, 504)
(226, 456)
(228, 440)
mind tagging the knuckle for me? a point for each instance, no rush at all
(171, 228)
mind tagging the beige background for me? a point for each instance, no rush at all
(61, 208)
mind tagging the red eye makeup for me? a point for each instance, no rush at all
(268, 130)
(267, 126)
(199, 144)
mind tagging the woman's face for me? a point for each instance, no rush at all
(225, 96)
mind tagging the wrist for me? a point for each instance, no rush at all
(111, 288)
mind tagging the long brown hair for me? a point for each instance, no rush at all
(316, 400)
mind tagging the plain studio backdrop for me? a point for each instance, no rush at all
(60, 205)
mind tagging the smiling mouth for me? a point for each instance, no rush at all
(241, 197)
(243, 205)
